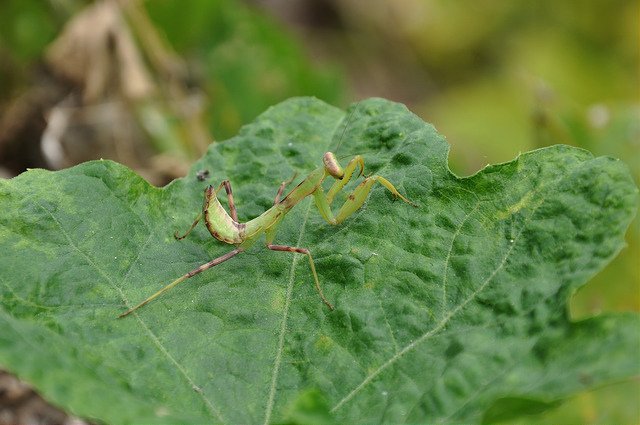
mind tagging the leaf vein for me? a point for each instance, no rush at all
(283, 327)
(149, 332)
(439, 326)
(448, 257)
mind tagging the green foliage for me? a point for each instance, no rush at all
(26, 27)
(247, 61)
(453, 312)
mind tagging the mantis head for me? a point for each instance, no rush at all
(332, 166)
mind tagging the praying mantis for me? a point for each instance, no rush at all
(226, 228)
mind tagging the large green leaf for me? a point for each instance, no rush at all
(443, 312)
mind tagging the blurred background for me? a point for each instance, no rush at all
(151, 83)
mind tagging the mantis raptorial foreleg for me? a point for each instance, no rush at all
(348, 172)
(360, 193)
(355, 199)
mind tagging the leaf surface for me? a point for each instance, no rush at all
(454, 311)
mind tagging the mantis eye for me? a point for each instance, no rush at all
(332, 166)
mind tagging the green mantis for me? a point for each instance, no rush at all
(226, 228)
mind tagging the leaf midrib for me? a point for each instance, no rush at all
(281, 337)
(283, 327)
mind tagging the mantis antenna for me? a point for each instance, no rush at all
(344, 130)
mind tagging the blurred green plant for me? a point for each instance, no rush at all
(26, 27)
(245, 59)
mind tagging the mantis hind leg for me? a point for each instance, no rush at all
(232, 205)
(195, 222)
(184, 277)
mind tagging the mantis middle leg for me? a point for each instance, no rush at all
(283, 185)
(270, 234)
